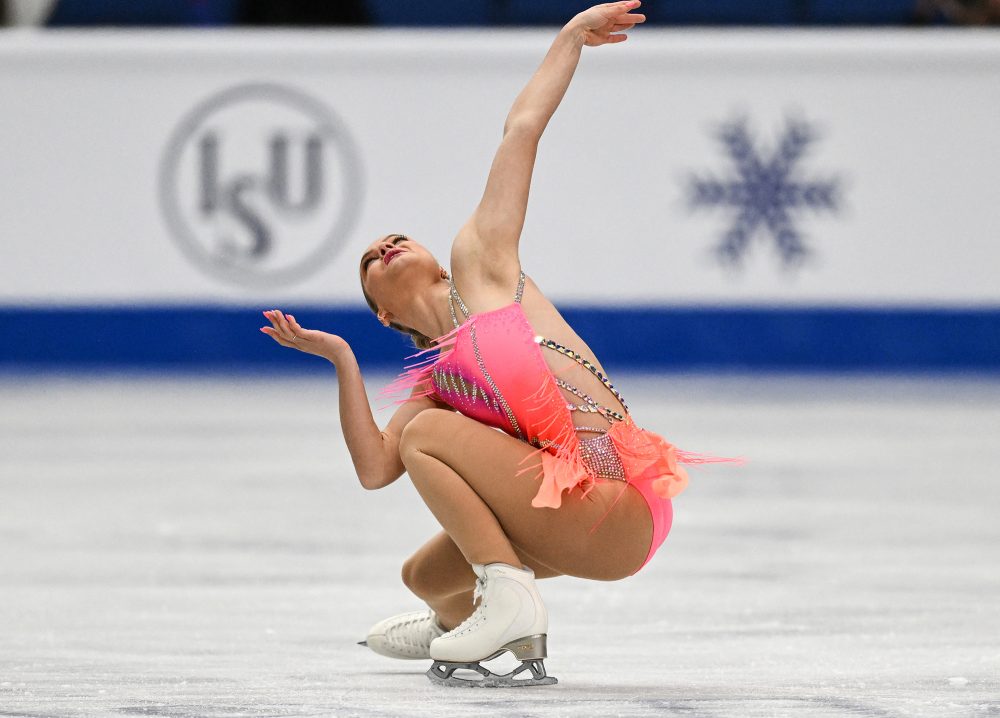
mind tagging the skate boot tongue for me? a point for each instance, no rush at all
(477, 593)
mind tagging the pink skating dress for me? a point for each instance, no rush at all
(491, 368)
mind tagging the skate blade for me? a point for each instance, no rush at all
(362, 643)
(442, 674)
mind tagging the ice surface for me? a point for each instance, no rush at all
(200, 547)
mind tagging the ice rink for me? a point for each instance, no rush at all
(198, 546)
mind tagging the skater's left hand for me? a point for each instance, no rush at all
(606, 23)
(287, 332)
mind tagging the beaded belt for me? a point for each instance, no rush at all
(599, 456)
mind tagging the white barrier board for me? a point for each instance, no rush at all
(683, 167)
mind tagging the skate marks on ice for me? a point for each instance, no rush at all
(201, 548)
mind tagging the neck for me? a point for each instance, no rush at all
(428, 313)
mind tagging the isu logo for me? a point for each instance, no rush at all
(260, 185)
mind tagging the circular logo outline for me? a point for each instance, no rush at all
(330, 126)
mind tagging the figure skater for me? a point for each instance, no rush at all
(570, 486)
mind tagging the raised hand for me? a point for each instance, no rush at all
(606, 23)
(287, 332)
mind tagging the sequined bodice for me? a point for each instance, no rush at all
(491, 368)
(495, 373)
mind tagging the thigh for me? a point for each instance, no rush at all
(563, 539)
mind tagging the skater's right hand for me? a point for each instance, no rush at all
(287, 332)
(607, 23)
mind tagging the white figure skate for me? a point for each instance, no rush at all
(406, 636)
(510, 617)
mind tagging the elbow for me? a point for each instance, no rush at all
(524, 124)
(370, 482)
(370, 469)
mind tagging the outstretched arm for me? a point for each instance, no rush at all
(487, 244)
(375, 453)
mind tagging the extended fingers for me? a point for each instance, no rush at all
(286, 330)
(632, 17)
(272, 315)
(618, 19)
(297, 331)
(627, 20)
(281, 330)
(277, 337)
(622, 9)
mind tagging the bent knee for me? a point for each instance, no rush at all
(422, 426)
(409, 573)
(417, 578)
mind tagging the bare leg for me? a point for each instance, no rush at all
(439, 574)
(466, 473)
(460, 510)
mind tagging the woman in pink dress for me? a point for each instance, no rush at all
(570, 486)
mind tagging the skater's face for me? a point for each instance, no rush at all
(393, 269)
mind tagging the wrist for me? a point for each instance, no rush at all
(574, 32)
(337, 353)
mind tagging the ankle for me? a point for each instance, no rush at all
(450, 617)
(448, 625)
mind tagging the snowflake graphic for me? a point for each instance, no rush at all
(764, 192)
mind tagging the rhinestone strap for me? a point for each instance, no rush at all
(591, 405)
(493, 384)
(453, 292)
(451, 306)
(549, 344)
(520, 288)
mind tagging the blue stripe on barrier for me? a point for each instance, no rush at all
(647, 338)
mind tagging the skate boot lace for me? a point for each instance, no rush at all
(401, 633)
(477, 616)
